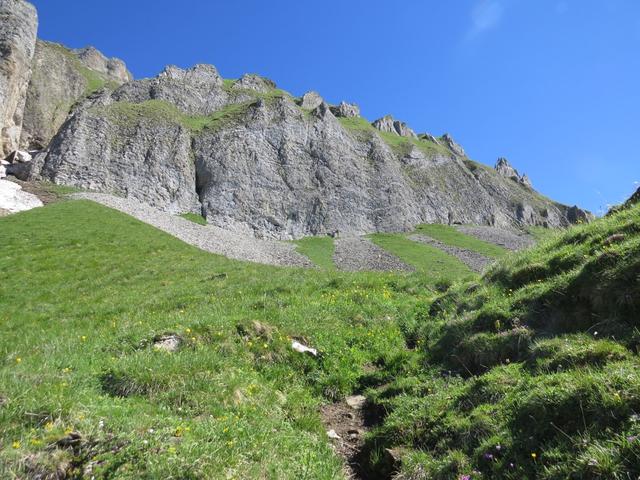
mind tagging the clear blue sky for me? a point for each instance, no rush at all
(553, 85)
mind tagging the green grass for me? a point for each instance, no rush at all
(318, 249)
(451, 236)
(541, 355)
(438, 265)
(89, 290)
(531, 371)
(542, 233)
(195, 218)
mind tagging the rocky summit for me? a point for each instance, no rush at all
(247, 156)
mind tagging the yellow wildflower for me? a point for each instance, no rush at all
(16, 444)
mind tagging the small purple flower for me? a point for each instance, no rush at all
(632, 438)
(488, 456)
(511, 465)
(498, 448)
(464, 477)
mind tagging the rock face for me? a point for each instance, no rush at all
(60, 78)
(18, 27)
(254, 161)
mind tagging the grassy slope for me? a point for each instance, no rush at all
(531, 372)
(540, 360)
(436, 264)
(86, 292)
(318, 249)
(449, 235)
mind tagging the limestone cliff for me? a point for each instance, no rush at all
(18, 27)
(60, 78)
(256, 160)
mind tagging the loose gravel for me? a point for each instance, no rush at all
(508, 239)
(206, 237)
(356, 254)
(473, 260)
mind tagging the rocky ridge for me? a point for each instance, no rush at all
(253, 159)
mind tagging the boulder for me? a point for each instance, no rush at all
(19, 156)
(18, 27)
(346, 110)
(310, 101)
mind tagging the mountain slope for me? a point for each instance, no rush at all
(253, 159)
(530, 373)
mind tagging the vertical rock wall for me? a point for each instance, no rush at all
(18, 30)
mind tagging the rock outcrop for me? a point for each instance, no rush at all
(504, 168)
(310, 101)
(346, 110)
(256, 162)
(60, 78)
(389, 125)
(18, 28)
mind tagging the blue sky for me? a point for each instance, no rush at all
(553, 85)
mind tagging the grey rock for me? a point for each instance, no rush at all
(504, 168)
(167, 343)
(389, 125)
(385, 124)
(265, 168)
(357, 402)
(255, 82)
(524, 180)
(196, 91)
(147, 157)
(310, 101)
(346, 110)
(59, 79)
(18, 28)
(112, 68)
(452, 145)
